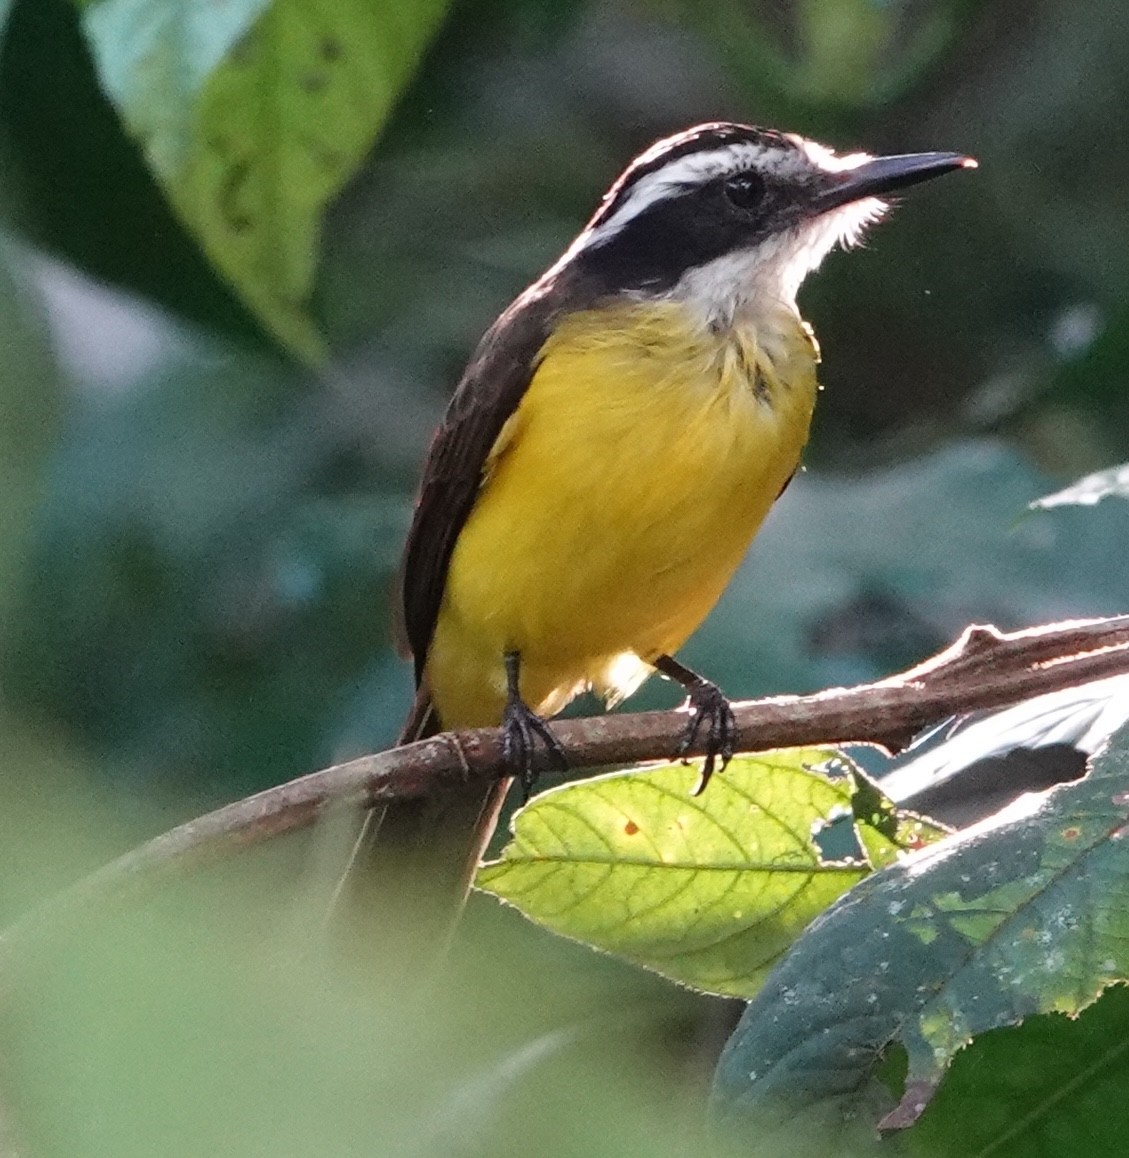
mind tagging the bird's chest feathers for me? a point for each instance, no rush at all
(658, 405)
(629, 482)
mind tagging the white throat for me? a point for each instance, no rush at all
(763, 282)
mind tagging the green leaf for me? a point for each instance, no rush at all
(1022, 914)
(1054, 1085)
(1089, 491)
(252, 116)
(707, 890)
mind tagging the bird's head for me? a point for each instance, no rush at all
(725, 214)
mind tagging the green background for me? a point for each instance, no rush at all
(199, 528)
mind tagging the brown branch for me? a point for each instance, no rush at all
(985, 668)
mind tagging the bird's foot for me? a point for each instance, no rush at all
(522, 731)
(709, 711)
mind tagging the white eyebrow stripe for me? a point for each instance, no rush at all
(693, 169)
(791, 160)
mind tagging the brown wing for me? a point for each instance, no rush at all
(489, 392)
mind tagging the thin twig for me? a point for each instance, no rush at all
(985, 668)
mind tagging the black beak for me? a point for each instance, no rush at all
(887, 175)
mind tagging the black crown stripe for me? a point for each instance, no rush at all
(700, 139)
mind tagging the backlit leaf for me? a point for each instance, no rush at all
(707, 890)
(252, 115)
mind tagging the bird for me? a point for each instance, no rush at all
(608, 455)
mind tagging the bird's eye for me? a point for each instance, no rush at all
(745, 191)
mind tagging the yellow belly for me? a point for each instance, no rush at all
(617, 502)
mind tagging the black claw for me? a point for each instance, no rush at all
(709, 709)
(522, 730)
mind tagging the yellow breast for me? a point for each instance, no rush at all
(617, 502)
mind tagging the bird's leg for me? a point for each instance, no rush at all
(522, 728)
(709, 709)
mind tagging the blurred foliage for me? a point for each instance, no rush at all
(219, 1018)
(200, 533)
(29, 419)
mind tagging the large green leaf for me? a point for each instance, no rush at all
(252, 115)
(708, 890)
(1023, 914)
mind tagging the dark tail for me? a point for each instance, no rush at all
(416, 859)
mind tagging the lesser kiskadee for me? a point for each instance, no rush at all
(614, 444)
